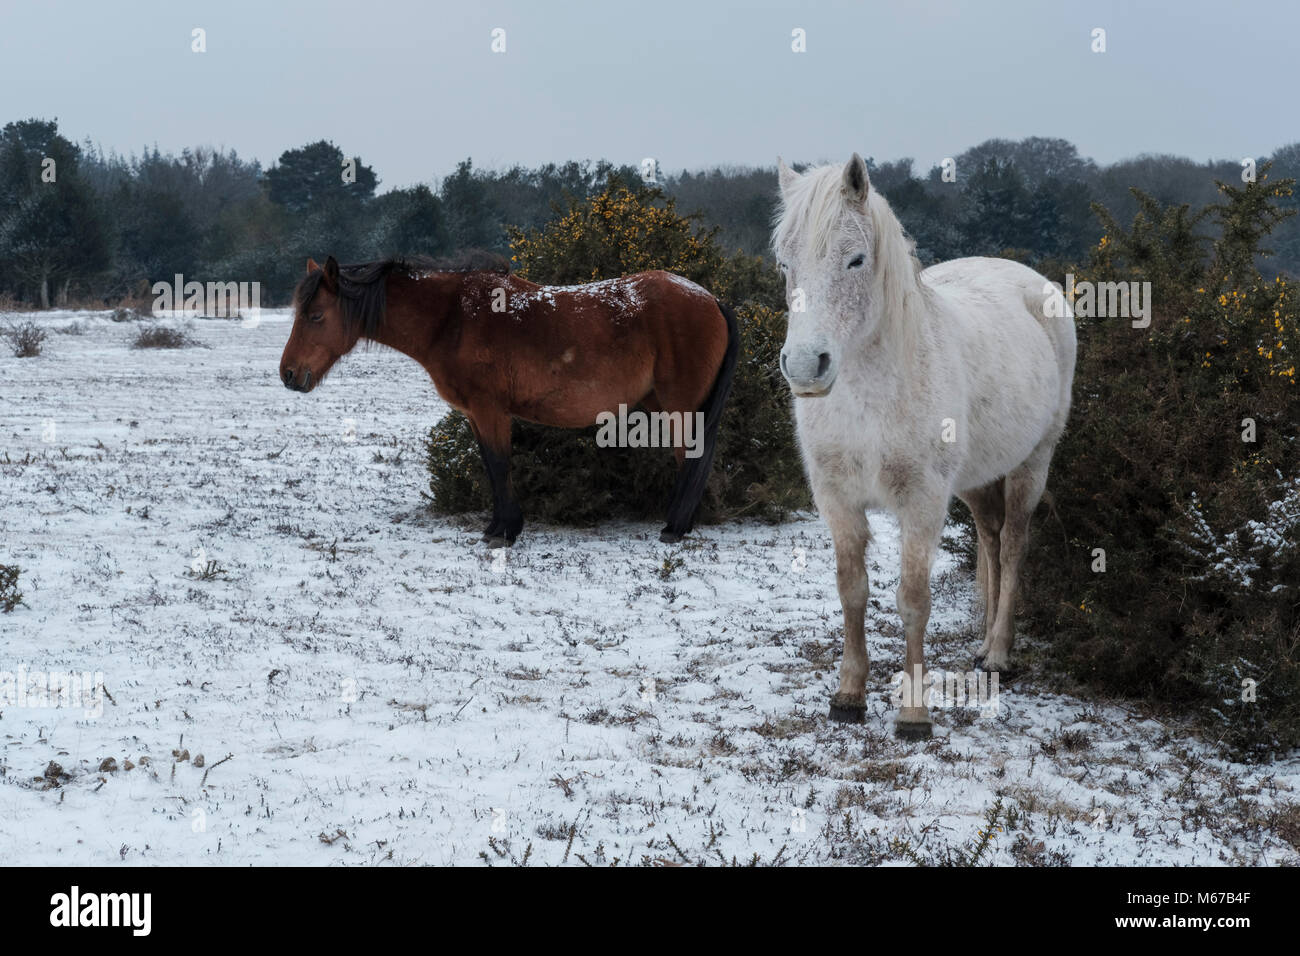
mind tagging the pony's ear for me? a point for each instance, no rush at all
(785, 174)
(311, 265)
(332, 274)
(856, 184)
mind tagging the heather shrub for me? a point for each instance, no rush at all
(25, 339)
(10, 595)
(154, 336)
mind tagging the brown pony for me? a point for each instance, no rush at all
(500, 347)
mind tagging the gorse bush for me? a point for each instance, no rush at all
(1178, 474)
(561, 475)
(616, 232)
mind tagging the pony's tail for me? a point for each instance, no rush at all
(694, 473)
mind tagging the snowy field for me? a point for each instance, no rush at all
(256, 575)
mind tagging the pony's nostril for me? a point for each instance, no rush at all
(823, 364)
(287, 375)
(784, 369)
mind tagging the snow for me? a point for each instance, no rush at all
(1236, 555)
(687, 284)
(521, 302)
(619, 294)
(387, 691)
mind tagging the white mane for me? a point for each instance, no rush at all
(810, 213)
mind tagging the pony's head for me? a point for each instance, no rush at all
(323, 331)
(848, 269)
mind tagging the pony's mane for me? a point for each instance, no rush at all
(363, 287)
(810, 211)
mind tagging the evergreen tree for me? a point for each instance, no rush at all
(410, 222)
(474, 220)
(311, 176)
(997, 215)
(52, 230)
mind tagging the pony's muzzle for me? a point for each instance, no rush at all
(293, 381)
(809, 373)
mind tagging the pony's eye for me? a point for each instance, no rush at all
(783, 267)
(319, 316)
(856, 261)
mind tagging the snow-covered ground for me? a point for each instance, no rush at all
(256, 576)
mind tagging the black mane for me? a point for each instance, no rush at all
(363, 287)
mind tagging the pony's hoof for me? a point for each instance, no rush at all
(913, 723)
(913, 731)
(848, 710)
(669, 537)
(993, 664)
(496, 541)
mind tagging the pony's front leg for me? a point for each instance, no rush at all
(922, 526)
(851, 533)
(493, 436)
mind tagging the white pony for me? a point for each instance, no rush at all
(911, 386)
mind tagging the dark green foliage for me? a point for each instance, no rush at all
(997, 209)
(155, 236)
(1200, 529)
(474, 218)
(52, 230)
(410, 222)
(313, 176)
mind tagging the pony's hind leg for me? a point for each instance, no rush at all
(851, 533)
(921, 524)
(689, 483)
(673, 531)
(696, 386)
(988, 508)
(1024, 486)
(681, 515)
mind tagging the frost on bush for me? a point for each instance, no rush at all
(1235, 559)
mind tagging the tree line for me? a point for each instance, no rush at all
(85, 226)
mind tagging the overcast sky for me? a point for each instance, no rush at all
(412, 87)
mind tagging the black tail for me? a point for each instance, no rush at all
(694, 473)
